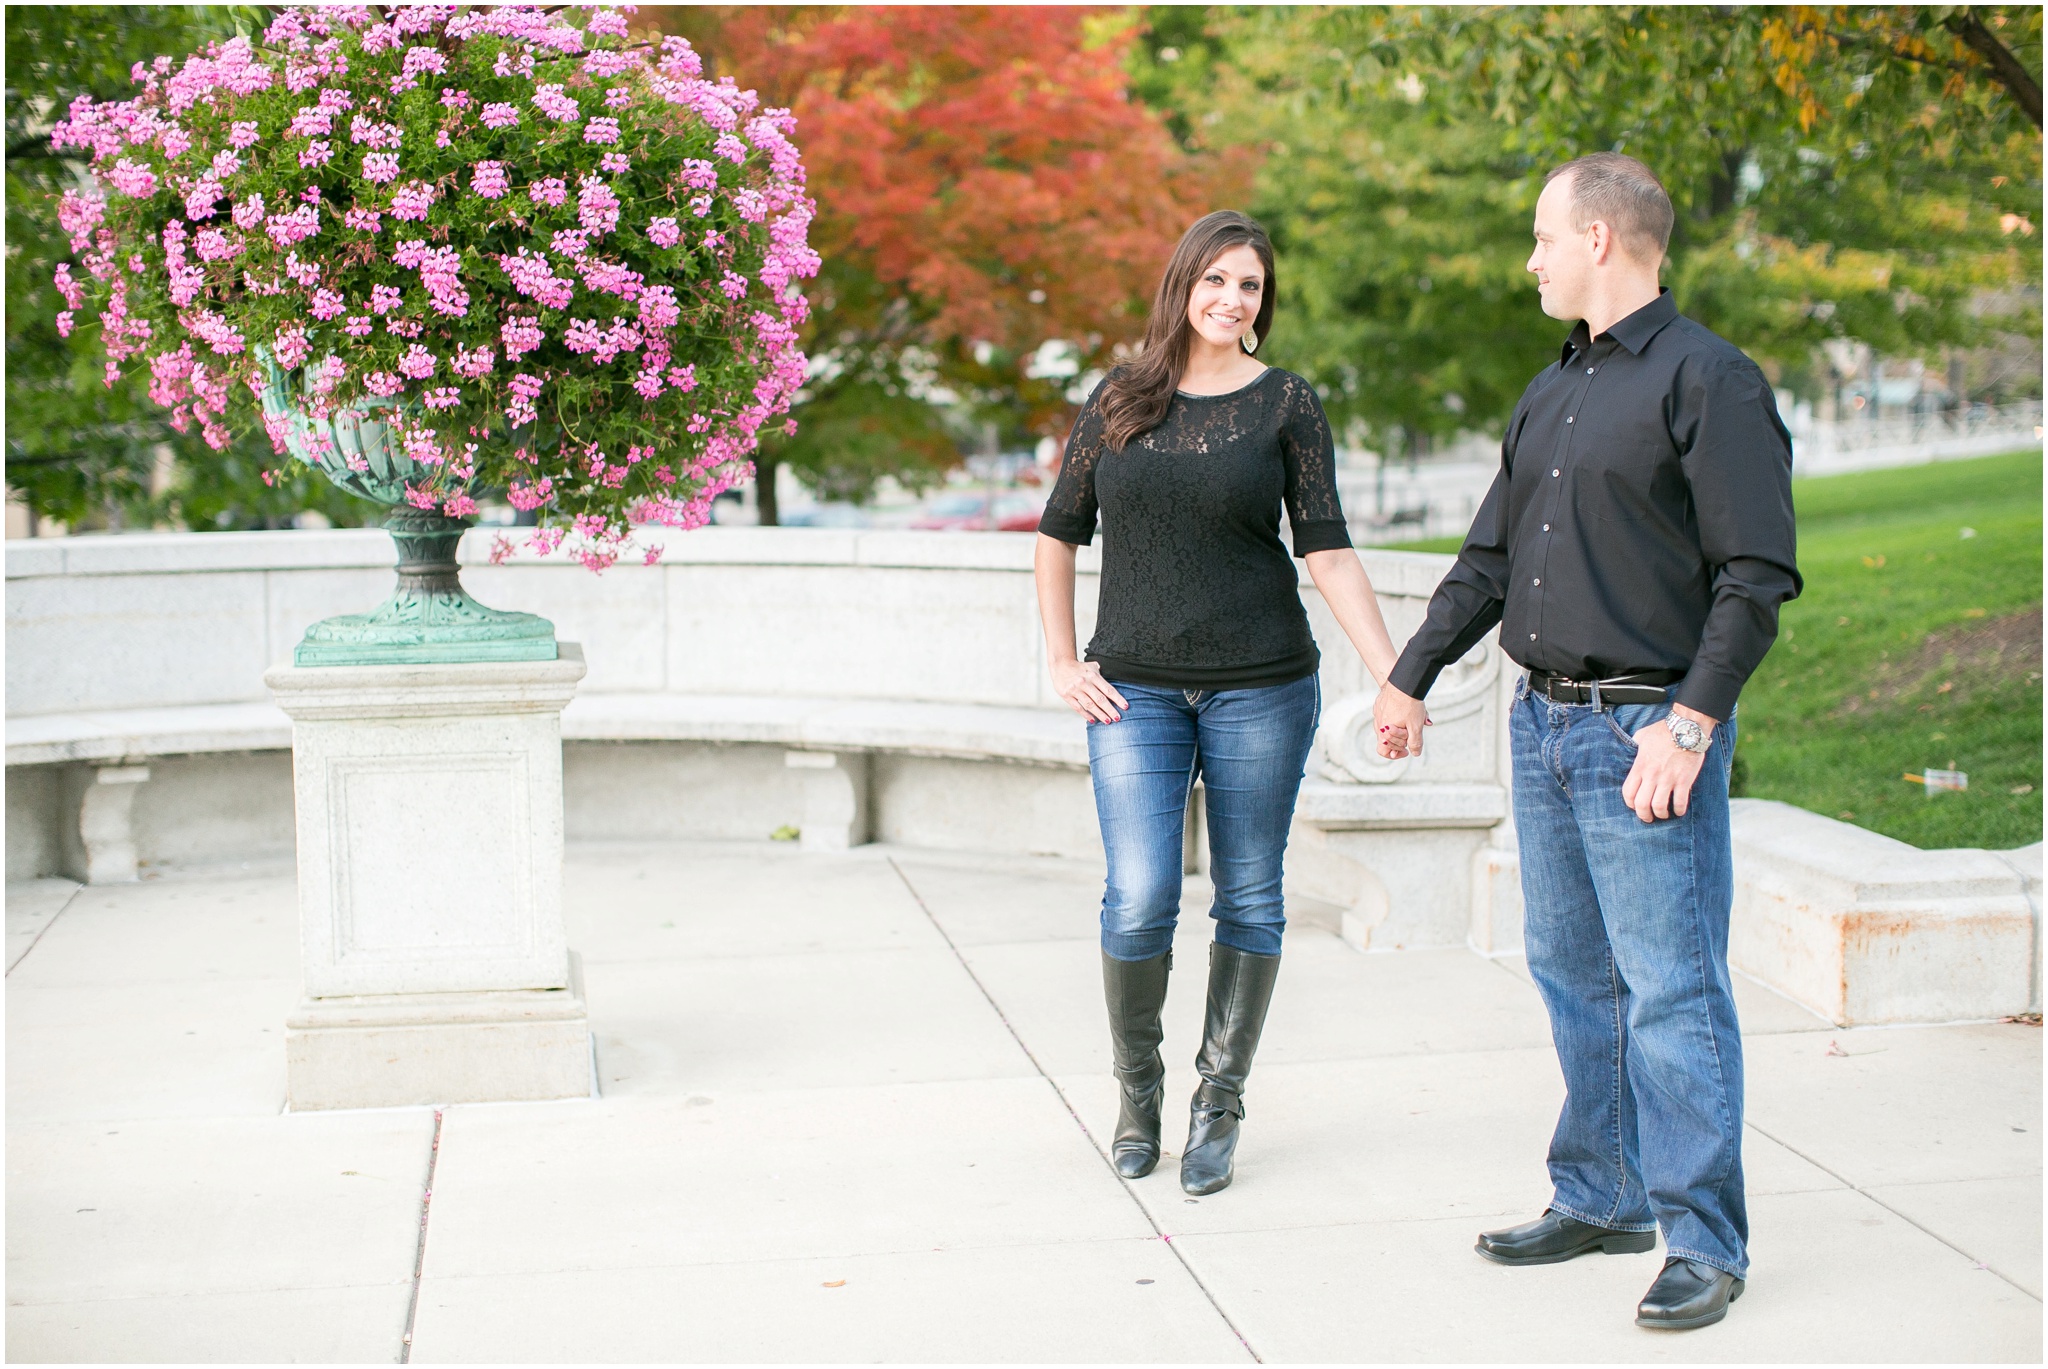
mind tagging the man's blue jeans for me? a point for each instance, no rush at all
(1250, 747)
(1626, 927)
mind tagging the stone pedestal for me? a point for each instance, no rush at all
(835, 798)
(429, 803)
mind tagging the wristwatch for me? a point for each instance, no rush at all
(1689, 735)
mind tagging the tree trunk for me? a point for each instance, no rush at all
(2007, 69)
(764, 489)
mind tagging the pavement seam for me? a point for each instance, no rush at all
(1857, 1188)
(71, 898)
(1073, 1113)
(419, 1257)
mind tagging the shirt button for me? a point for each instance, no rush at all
(1554, 471)
(1546, 527)
(1568, 420)
(1589, 370)
(1532, 636)
(1537, 581)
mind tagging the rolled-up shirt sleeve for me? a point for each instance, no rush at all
(1737, 458)
(1070, 509)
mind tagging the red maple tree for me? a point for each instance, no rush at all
(985, 184)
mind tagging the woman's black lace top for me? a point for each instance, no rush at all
(1197, 588)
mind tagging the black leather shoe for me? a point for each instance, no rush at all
(1687, 1294)
(1135, 991)
(1240, 991)
(1554, 1238)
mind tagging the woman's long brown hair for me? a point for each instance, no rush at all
(1136, 394)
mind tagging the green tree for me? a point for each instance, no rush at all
(1844, 191)
(79, 451)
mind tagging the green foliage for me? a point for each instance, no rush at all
(1912, 646)
(77, 450)
(1406, 147)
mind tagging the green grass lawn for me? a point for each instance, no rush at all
(1916, 644)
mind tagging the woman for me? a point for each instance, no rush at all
(1202, 662)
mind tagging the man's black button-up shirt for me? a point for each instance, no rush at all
(1641, 520)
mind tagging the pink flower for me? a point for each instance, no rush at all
(132, 178)
(730, 148)
(297, 226)
(383, 299)
(316, 153)
(520, 335)
(459, 506)
(371, 133)
(618, 97)
(213, 245)
(359, 325)
(226, 163)
(242, 133)
(733, 284)
(290, 346)
(499, 115)
(663, 232)
(471, 365)
(550, 100)
(454, 99)
(382, 384)
(601, 131)
(597, 208)
(363, 220)
(532, 276)
(445, 397)
(312, 121)
(658, 307)
(615, 163)
(379, 167)
(526, 498)
(327, 305)
(552, 192)
(413, 202)
(249, 212)
(201, 198)
(488, 180)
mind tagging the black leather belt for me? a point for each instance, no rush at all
(1643, 687)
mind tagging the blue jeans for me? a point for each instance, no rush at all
(1626, 927)
(1250, 747)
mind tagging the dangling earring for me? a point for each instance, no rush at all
(1250, 343)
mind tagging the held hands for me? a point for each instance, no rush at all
(1399, 720)
(1659, 784)
(1081, 684)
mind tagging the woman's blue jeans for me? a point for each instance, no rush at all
(1249, 746)
(1626, 927)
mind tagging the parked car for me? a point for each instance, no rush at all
(967, 511)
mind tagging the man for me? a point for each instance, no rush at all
(1634, 549)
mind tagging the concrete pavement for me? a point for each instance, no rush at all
(853, 1107)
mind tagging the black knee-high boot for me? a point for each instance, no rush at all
(1136, 991)
(1240, 990)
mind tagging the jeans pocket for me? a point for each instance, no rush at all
(1625, 720)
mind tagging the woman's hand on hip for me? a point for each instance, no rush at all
(1081, 684)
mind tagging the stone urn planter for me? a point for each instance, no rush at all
(429, 618)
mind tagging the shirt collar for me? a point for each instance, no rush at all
(1633, 332)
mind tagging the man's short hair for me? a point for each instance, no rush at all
(1624, 194)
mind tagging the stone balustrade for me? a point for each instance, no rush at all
(847, 685)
